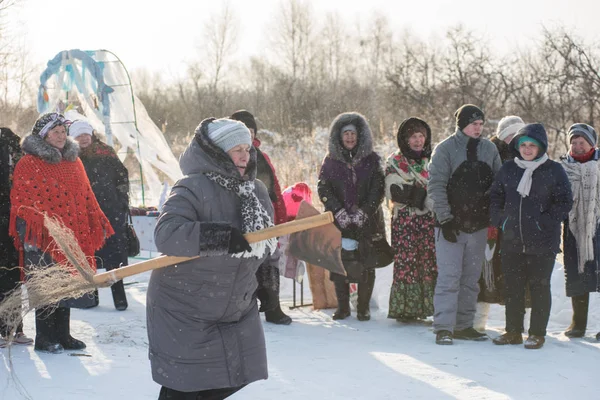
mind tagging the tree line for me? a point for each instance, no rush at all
(314, 67)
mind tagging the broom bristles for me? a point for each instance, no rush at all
(47, 285)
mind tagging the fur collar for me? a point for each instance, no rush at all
(365, 139)
(37, 146)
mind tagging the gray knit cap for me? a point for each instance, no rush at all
(509, 126)
(349, 127)
(226, 133)
(585, 131)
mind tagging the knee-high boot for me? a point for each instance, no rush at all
(119, 296)
(64, 330)
(275, 315)
(580, 316)
(46, 331)
(342, 292)
(365, 290)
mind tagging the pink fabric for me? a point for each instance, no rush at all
(293, 195)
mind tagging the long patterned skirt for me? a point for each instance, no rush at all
(415, 268)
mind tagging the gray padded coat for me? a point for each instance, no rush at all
(204, 331)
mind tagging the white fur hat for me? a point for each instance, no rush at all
(509, 126)
(80, 127)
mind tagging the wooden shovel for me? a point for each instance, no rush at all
(303, 224)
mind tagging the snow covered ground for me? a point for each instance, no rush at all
(318, 358)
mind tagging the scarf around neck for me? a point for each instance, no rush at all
(254, 215)
(585, 213)
(529, 167)
(584, 157)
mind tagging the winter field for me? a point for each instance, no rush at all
(318, 358)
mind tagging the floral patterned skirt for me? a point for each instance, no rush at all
(415, 268)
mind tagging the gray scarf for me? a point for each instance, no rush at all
(585, 213)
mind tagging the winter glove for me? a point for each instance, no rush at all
(492, 238)
(237, 242)
(412, 196)
(401, 195)
(342, 218)
(359, 218)
(546, 221)
(449, 231)
(418, 196)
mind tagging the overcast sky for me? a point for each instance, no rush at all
(162, 35)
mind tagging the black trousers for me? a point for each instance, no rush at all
(211, 394)
(10, 279)
(535, 270)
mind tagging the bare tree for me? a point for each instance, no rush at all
(220, 41)
(293, 50)
(17, 87)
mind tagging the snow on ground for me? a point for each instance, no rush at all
(318, 358)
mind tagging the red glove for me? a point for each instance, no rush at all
(492, 234)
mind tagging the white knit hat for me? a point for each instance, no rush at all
(227, 133)
(509, 126)
(80, 127)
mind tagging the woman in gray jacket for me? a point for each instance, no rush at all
(205, 336)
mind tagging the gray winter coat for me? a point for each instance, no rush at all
(204, 331)
(447, 157)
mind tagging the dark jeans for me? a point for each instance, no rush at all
(519, 270)
(211, 394)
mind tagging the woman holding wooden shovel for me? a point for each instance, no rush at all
(205, 335)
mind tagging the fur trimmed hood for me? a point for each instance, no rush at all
(365, 138)
(202, 156)
(402, 138)
(37, 146)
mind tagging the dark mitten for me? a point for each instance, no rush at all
(342, 218)
(359, 218)
(449, 231)
(418, 197)
(401, 195)
(237, 242)
(546, 221)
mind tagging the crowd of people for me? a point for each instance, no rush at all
(471, 220)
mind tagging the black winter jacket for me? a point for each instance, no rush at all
(531, 225)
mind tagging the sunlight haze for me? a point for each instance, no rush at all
(164, 35)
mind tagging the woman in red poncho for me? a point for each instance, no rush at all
(51, 179)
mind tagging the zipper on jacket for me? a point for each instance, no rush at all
(521, 223)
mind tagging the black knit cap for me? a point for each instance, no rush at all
(246, 117)
(467, 114)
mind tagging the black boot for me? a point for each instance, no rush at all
(342, 292)
(119, 297)
(365, 290)
(64, 330)
(274, 314)
(580, 315)
(277, 316)
(46, 334)
(263, 296)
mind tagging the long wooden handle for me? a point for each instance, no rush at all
(164, 261)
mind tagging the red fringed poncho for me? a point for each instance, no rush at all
(60, 190)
